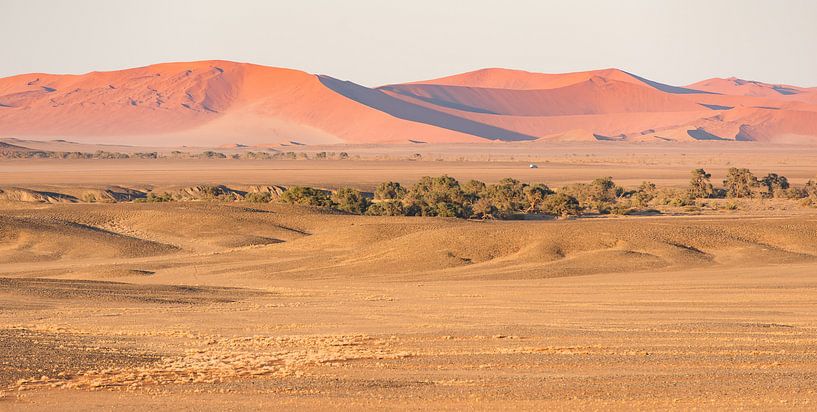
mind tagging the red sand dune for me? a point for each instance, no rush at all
(739, 87)
(496, 78)
(211, 102)
(226, 103)
(596, 95)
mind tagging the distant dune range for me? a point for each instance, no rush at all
(220, 102)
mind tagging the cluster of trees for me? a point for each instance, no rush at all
(99, 154)
(509, 198)
(209, 154)
(742, 183)
(445, 196)
(176, 154)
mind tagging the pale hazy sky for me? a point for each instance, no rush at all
(375, 42)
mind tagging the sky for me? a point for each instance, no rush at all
(376, 42)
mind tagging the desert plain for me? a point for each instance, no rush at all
(208, 305)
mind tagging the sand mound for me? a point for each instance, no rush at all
(42, 239)
(288, 241)
(548, 249)
(110, 195)
(192, 226)
(16, 194)
(274, 191)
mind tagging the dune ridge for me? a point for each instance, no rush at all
(221, 102)
(294, 242)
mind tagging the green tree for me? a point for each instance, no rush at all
(350, 200)
(561, 204)
(740, 183)
(810, 190)
(507, 196)
(603, 189)
(303, 195)
(644, 194)
(389, 191)
(700, 186)
(437, 196)
(775, 184)
(599, 195)
(534, 196)
(386, 208)
(258, 197)
(474, 189)
(483, 208)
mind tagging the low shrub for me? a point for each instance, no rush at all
(561, 204)
(350, 200)
(258, 197)
(303, 195)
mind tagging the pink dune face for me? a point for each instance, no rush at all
(204, 103)
(226, 103)
(496, 78)
(739, 87)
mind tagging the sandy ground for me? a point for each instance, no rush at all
(202, 306)
(558, 164)
(211, 306)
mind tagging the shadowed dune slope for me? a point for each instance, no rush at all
(406, 110)
(597, 95)
(617, 105)
(498, 78)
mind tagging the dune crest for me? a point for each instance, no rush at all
(214, 103)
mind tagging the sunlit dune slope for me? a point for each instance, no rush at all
(217, 103)
(296, 242)
(201, 103)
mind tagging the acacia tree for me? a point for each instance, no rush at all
(645, 193)
(740, 183)
(603, 190)
(483, 208)
(389, 191)
(810, 190)
(534, 196)
(561, 204)
(303, 195)
(507, 195)
(437, 196)
(350, 200)
(386, 208)
(474, 190)
(776, 185)
(700, 186)
(598, 195)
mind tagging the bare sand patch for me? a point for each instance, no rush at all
(221, 305)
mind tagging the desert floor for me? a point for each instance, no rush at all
(558, 164)
(234, 306)
(210, 306)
